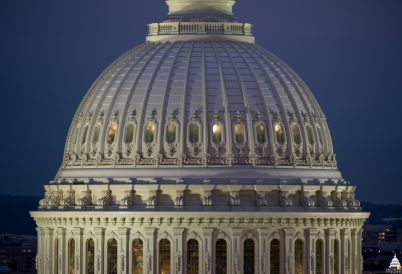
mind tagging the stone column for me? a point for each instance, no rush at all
(344, 256)
(264, 250)
(99, 247)
(149, 251)
(77, 231)
(355, 252)
(60, 233)
(207, 247)
(236, 250)
(123, 250)
(311, 252)
(41, 248)
(288, 247)
(329, 251)
(178, 250)
(48, 252)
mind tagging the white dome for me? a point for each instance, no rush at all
(395, 262)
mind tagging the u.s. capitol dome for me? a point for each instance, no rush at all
(199, 152)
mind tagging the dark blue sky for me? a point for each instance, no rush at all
(348, 52)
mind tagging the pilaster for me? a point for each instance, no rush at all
(149, 250)
(264, 250)
(329, 251)
(123, 250)
(99, 247)
(311, 255)
(41, 250)
(207, 247)
(235, 253)
(345, 254)
(60, 234)
(355, 252)
(178, 250)
(78, 233)
(288, 249)
(48, 267)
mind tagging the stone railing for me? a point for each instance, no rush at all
(200, 28)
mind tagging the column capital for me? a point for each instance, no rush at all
(123, 230)
(48, 231)
(150, 231)
(263, 232)
(236, 231)
(207, 231)
(289, 232)
(178, 231)
(77, 231)
(99, 231)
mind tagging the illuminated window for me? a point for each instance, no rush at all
(164, 256)
(336, 256)
(90, 267)
(239, 133)
(149, 133)
(171, 133)
(318, 256)
(71, 257)
(192, 256)
(296, 134)
(112, 256)
(112, 132)
(299, 257)
(279, 134)
(259, 128)
(138, 256)
(84, 135)
(193, 129)
(129, 133)
(274, 256)
(217, 133)
(96, 134)
(248, 265)
(221, 257)
(310, 135)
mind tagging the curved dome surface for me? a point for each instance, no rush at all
(201, 107)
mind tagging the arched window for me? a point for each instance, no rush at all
(299, 257)
(259, 128)
(239, 133)
(138, 256)
(274, 256)
(164, 256)
(194, 130)
(112, 133)
(192, 256)
(95, 139)
(248, 264)
(129, 133)
(221, 257)
(336, 256)
(279, 134)
(90, 267)
(84, 134)
(217, 133)
(171, 133)
(149, 133)
(320, 135)
(112, 256)
(296, 134)
(318, 257)
(71, 257)
(56, 255)
(310, 135)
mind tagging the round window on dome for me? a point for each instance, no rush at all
(112, 133)
(259, 128)
(171, 133)
(296, 134)
(194, 130)
(149, 133)
(95, 139)
(129, 133)
(310, 135)
(279, 134)
(239, 133)
(217, 133)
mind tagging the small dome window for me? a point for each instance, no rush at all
(129, 133)
(217, 133)
(259, 128)
(112, 133)
(310, 134)
(171, 133)
(296, 134)
(96, 134)
(149, 133)
(239, 133)
(279, 134)
(194, 128)
(84, 135)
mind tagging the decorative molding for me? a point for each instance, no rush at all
(305, 200)
(207, 200)
(323, 200)
(234, 198)
(179, 200)
(260, 199)
(105, 199)
(284, 200)
(128, 199)
(152, 200)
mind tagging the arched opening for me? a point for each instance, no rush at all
(149, 133)
(275, 257)
(336, 256)
(164, 256)
(320, 135)
(296, 134)
(279, 134)
(171, 133)
(90, 257)
(95, 139)
(129, 133)
(112, 256)
(239, 133)
(112, 133)
(298, 257)
(259, 128)
(248, 263)
(192, 256)
(310, 135)
(71, 257)
(217, 133)
(221, 257)
(138, 256)
(319, 257)
(193, 129)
